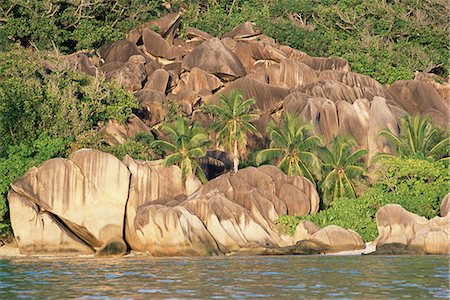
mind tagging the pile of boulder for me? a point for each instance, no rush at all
(159, 67)
(93, 201)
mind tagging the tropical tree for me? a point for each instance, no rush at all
(342, 165)
(232, 122)
(419, 138)
(188, 142)
(293, 147)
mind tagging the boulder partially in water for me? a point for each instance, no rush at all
(400, 232)
(115, 247)
(87, 193)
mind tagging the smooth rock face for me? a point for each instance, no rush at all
(406, 232)
(150, 181)
(420, 97)
(88, 192)
(39, 232)
(213, 57)
(119, 51)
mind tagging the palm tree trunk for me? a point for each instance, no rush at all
(235, 156)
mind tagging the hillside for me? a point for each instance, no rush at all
(142, 76)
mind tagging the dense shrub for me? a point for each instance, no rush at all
(417, 185)
(45, 105)
(72, 25)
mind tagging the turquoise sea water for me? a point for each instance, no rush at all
(270, 277)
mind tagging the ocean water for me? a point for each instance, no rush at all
(253, 277)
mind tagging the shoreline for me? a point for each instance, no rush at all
(12, 251)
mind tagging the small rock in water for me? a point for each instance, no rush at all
(116, 246)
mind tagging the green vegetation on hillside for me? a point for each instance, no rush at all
(44, 106)
(387, 40)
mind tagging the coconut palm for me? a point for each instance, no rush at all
(341, 165)
(419, 138)
(232, 122)
(293, 147)
(188, 142)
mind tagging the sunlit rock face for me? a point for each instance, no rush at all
(92, 200)
(86, 194)
(402, 232)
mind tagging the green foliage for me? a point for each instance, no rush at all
(58, 101)
(419, 138)
(19, 159)
(188, 142)
(72, 25)
(341, 166)
(293, 147)
(43, 107)
(232, 122)
(417, 185)
(387, 40)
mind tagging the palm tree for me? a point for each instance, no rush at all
(232, 121)
(293, 147)
(341, 165)
(419, 138)
(188, 142)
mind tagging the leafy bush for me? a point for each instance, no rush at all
(72, 25)
(43, 107)
(19, 159)
(59, 101)
(416, 185)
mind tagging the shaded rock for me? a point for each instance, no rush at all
(158, 81)
(231, 225)
(326, 63)
(197, 34)
(411, 95)
(213, 57)
(445, 206)
(150, 181)
(406, 231)
(119, 133)
(171, 231)
(82, 63)
(91, 182)
(320, 111)
(267, 97)
(242, 31)
(154, 103)
(442, 85)
(396, 249)
(304, 231)
(167, 25)
(129, 75)
(119, 51)
(197, 80)
(159, 47)
(115, 247)
(40, 232)
(215, 163)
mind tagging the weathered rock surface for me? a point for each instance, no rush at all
(91, 182)
(119, 51)
(213, 57)
(40, 232)
(329, 239)
(402, 232)
(150, 181)
(420, 97)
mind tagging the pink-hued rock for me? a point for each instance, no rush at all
(400, 231)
